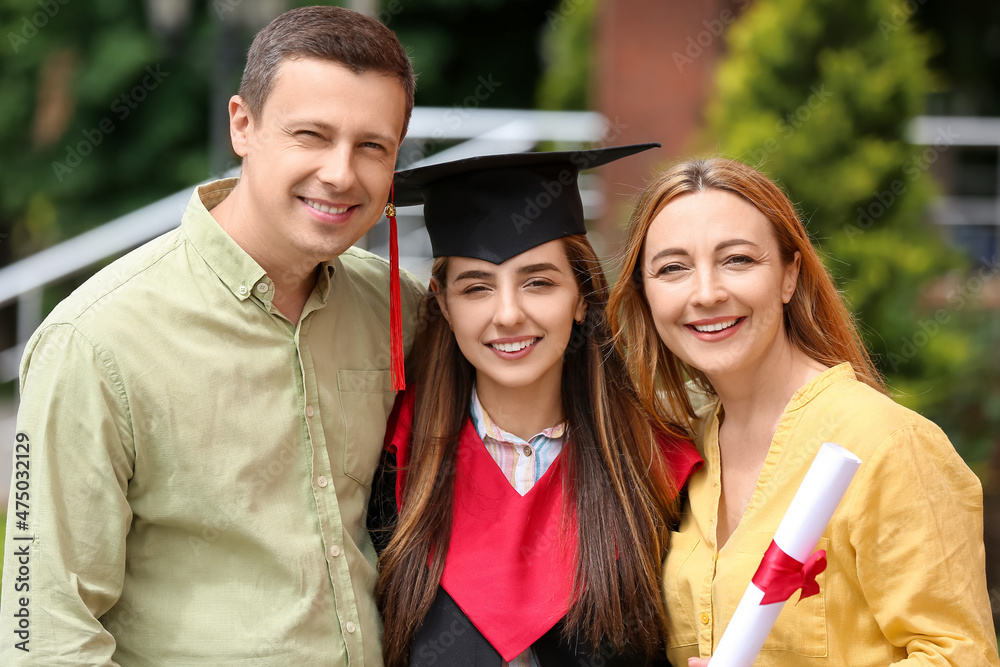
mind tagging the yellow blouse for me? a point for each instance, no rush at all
(905, 582)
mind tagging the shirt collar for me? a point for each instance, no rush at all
(231, 263)
(812, 389)
(486, 427)
(802, 396)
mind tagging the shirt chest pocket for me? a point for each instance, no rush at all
(366, 398)
(683, 568)
(801, 626)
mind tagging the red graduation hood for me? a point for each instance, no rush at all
(511, 558)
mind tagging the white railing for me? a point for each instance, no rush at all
(939, 134)
(462, 132)
(432, 137)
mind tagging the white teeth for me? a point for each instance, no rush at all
(513, 347)
(324, 208)
(719, 326)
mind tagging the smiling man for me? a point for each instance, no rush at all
(201, 420)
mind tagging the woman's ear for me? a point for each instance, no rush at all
(791, 278)
(442, 301)
(581, 310)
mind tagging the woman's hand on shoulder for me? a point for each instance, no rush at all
(697, 662)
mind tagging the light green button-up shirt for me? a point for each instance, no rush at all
(196, 468)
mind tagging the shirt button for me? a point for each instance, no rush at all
(334, 551)
(527, 450)
(705, 619)
(322, 484)
(349, 626)
(243, 289)
(262, 287)
(309, 411)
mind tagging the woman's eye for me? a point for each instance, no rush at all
(539, 282)
(740, 259)
(473, 289)
(669, 269)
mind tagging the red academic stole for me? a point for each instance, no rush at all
(512, 558)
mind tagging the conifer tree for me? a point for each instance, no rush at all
(818, 94)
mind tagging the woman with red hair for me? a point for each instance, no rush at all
(724, 302)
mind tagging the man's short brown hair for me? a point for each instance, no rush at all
(353, 40)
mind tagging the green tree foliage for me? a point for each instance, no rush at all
(818, 94)
(456, 45)
(98, 116)
(101, 115)
(567, 49)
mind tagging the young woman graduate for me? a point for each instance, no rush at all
(534, 497)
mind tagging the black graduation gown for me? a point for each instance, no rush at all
(447, 637)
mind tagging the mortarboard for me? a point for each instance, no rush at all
(491, 207)
(494, 207)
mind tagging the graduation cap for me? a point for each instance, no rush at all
(492, 207)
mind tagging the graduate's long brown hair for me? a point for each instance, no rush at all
(816, 319)
(614, 477)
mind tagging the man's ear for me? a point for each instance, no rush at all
(240, 125)
(442, 301)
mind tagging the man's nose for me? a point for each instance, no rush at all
(337, 168)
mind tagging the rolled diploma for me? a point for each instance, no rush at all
(798, 533)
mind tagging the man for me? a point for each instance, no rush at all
(201, 420)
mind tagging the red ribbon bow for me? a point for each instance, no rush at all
(780, 575)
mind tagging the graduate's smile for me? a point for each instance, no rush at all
(514, 348)
(513, 321)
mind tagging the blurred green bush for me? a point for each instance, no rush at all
(818, 94)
